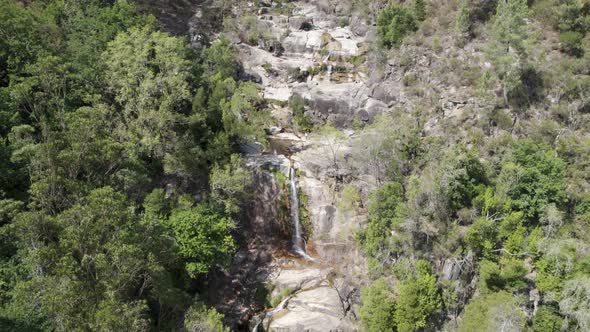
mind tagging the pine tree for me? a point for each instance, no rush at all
(463, 21)
(509, 26)
(508, 51)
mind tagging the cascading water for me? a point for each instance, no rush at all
(329, 73)
(280, 307)
(297, 239)
(328, 76)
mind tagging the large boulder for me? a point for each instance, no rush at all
(319, 309)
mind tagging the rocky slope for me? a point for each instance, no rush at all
(319, 51)
(316, 61)
(319, 292)
(323, 51)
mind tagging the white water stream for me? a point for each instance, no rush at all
(298, 245)
(280, 307)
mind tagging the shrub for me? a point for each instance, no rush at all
(492, 312)
(547, 320)
(419, 10)
(302, 122)
(463, 20)
(350, 198)
(200, 318)
(571, 42)
(394, 23)
(409, 79)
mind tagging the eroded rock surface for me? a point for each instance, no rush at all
(316, 64)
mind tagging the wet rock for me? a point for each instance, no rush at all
(251, 148)
(274, 130)
(326, 218)
(252, 76)
(270, 163)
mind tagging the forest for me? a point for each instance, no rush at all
(124, 185)
(99, 110)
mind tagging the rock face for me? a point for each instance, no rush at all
(320, 293)
(318, 309)
(319, 289)
(321, 52)
(314, 305)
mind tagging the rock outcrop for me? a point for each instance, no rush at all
(320, 52)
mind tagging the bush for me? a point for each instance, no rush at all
(463, 19)
(419, 10)
(300, 121)
(547, 320)
(492, 312)
(394, 23)
(200, 318)
(571, 42)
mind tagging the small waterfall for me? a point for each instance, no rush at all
(329, 73)
(280, 307)
(328, 56)
(298, 246)
(328, 76)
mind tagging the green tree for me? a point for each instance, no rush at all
(385, 205)
(510, 34)
(482, 236)
(22, 36)
(418, 300)
(378, 307)
(493, 312)
(148, 72)
(98, 264)
(203, 237)
(229, 184)
(533, 177)
(509, 26)
(199, 318)
(546, 319)
(463, 19)
(394, 23)
(219, 58)
(90, 26)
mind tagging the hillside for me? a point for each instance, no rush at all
(318, 165)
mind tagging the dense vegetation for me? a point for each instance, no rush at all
(500, 210)
(121, 185)
(118, 187)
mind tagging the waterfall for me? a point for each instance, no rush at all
(280, 307)
(328, 76)
(297, 239)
